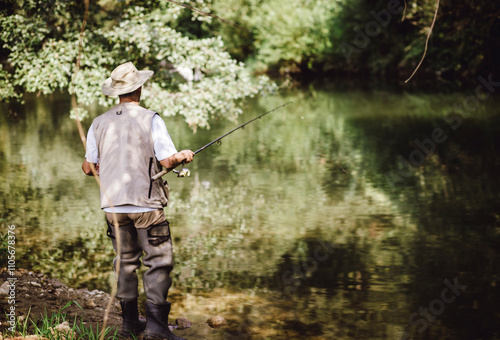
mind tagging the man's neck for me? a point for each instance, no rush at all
(129, 100)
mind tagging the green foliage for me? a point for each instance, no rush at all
(284, 35)
(461, 44)
(465, 39)
(295, 36)
(43, 60)
(274, 37)
(7, 89)
(293, 33)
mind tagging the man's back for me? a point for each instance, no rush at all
(127, 159)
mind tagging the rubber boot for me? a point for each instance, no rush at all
(157, 324)
(132, 323)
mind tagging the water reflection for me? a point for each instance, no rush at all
(294, 227)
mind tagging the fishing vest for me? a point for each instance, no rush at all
(127, 160)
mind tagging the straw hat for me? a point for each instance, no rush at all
(125, 79)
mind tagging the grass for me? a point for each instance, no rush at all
(3, 246)
(49, 326)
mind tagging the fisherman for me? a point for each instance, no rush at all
(128, 145)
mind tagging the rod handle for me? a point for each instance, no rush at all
(158, 175)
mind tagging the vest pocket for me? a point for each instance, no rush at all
(159, 233)
(110, 232)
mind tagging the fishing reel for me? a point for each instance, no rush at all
(183, 173)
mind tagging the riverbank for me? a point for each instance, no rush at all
(37, 296)
(50, 304)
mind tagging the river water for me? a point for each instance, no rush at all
(345, 215)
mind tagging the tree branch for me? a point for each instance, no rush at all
(426, 43)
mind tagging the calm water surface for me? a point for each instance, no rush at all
(345, 215)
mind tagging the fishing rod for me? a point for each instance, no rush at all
(185, 172)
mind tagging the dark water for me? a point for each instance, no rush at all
(345, 215)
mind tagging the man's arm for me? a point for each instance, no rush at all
(164, 147)
(181, 157)
(91, 154)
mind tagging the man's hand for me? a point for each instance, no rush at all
(87, 168)
(181, 157)
(187, 156)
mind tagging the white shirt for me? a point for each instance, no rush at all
(163, 147)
